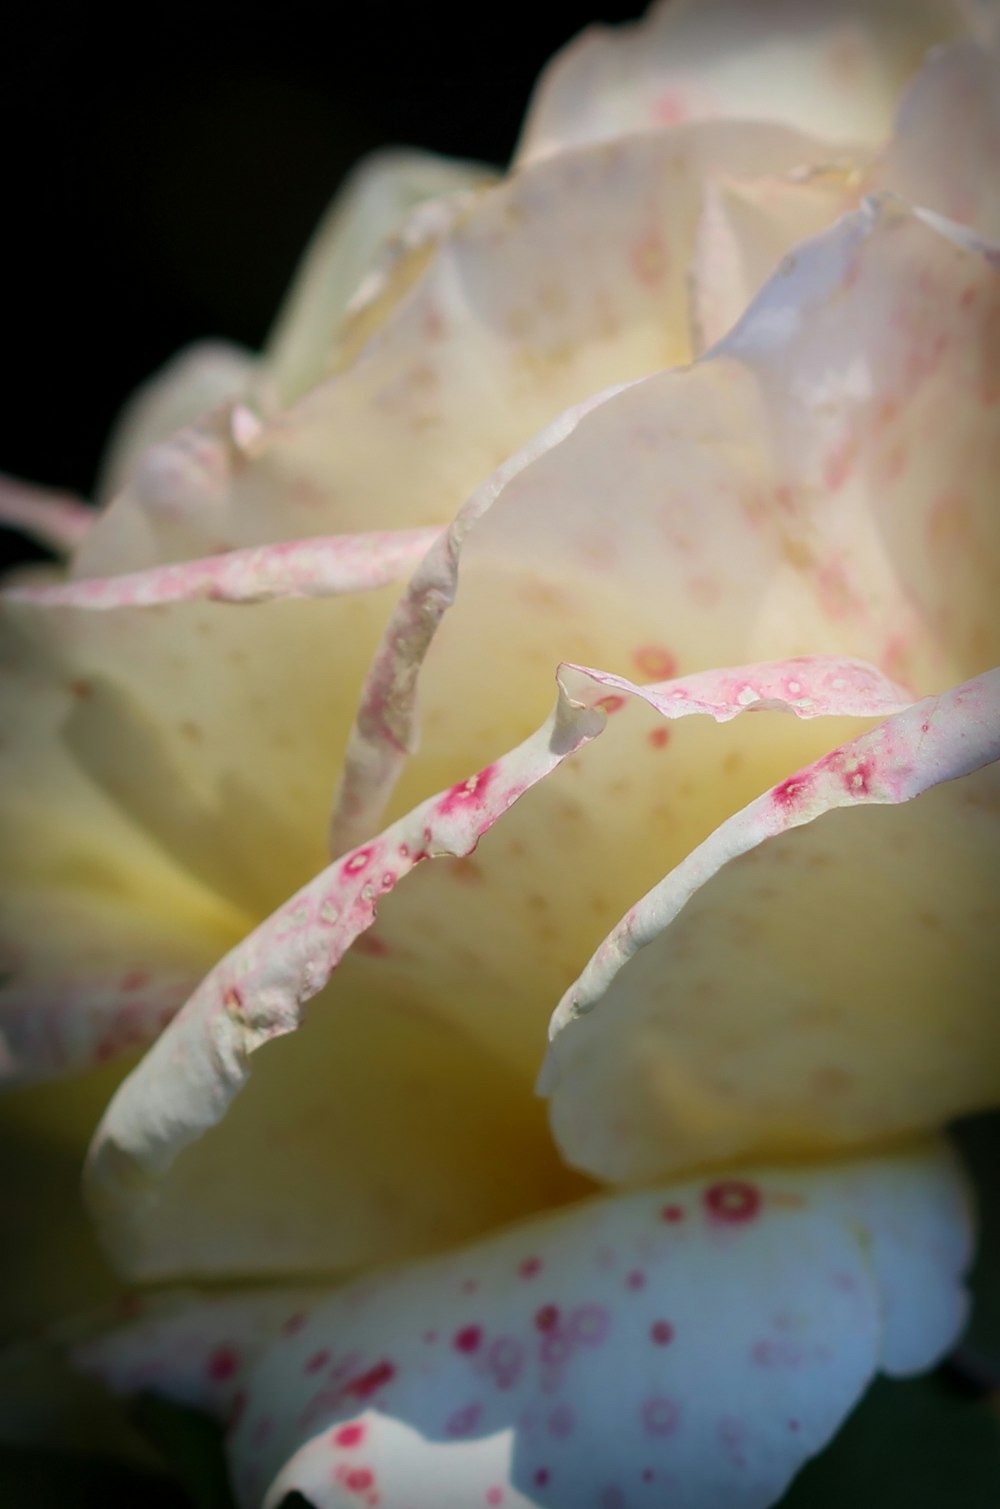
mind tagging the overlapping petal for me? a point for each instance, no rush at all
(835, 69)
(739, 1318)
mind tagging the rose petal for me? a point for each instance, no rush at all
(848, 1040)
(500, 334)
(373, 204)
(822, 481)
(324, 567)
(55, 519)
(944, 148)
(187, 1082)
(740, 1316)
(830, 67)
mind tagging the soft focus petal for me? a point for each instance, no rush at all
(832, 67)
(194, 381)
(944, 149)
(55, 519)
(737, 1320)
(372, 205)
(500, 334)
(657, 1062)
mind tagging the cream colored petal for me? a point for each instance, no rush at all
(194, 381)
(822, 481)
(947, 137)
(739, 1318)
(835, 68)
(372, 207)
(797, 984)
(501, 333)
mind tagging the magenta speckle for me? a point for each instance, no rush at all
(494, 1495)
(733, 1200)
(795, 1425)
(468, 1339)
(661, 1332)
(660, 1415)
(470, 793)
(791, 792)
(316, 1361)
(656, 662)
(672, 1213)
(530, 1267)
(505, 1361)
(562, 1421)
(370, 1382)
(542, 1476)
(358, 861)
(612, 703)
(294, 1323)
(359, 1479)
(547, 1318)
(659, 738)
(636, 1279)
(349, 1436)
(469, 1285)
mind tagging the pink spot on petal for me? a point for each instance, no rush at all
(547, 1318)
(494, 1495)
(349, 1436)
(317, 1361)
(468, 1339)
(530, 1267)
(659, 738)
(542, 1476)
(672, 1213)
(732, 1200)
(661, 1332)
(294, 1323)
(370, 1382)
(612, 703)
(562, 1421)
(223, 1363)
(791, 792)
(656, 662)
(660, 1415)
(359, 1478)
(636, 1279)
(468, 793)
(464, 1421)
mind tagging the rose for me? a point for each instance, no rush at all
(806, 428)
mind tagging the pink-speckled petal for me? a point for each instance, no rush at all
(944, 149)
(53, 518)
(257, 994)
(324, 567)
(744, 231)
(740, 1316)
(822, 481)
(830, 67)
(498, 334)
(657, 1061)
(373, 207)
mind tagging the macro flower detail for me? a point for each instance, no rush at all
(580, 616)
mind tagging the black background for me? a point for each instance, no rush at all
(163, 174)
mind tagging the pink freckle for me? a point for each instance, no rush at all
(358, 862)
(494, 1495)
(232, 999)
(648, 1475)
(562, 1421)
(659, 738)
(839, 464)
(547, 1317)
(670, 108)
(469, 1339)
(348, 1436)
(294, 1323)
(795, 1425)
(404, 850)
(223, 1363)
(317, 1360)
(469, 1285)
(613, 1498)
(791, 791)
(388, 880)
(660, 1416)
(662, 1332)
(590, 1324)
(655, 662)
(968, 297)
(612, 703)
(464, 1420)
(542, 1476)
(104, 1051)
(732, 1200)
(135, 980)
(359, 1478)
(468, 793)
(530, 1267)
(371, 947)
(636, 1279)
(370, 1382)
(672, 1213)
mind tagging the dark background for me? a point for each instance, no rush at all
(162, 176)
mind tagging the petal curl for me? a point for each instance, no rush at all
(740, 1317)
(832, 68)
(55, 519)
(656, 1062)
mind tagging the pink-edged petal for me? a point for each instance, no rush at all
(944, 147)
(832, 67)
(373, 207)
(324, 567)
(740, 1317)
(189, 1079)
(498, 334)
(822, 481)
(795, 983)
(55, 519)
